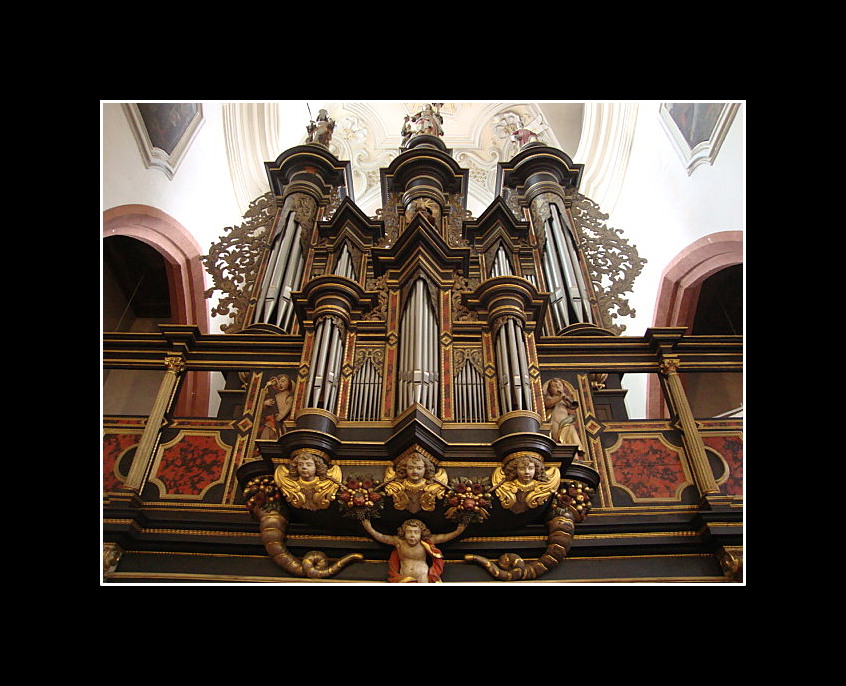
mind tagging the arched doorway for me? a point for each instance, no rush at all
(152, 274)
(701, 290)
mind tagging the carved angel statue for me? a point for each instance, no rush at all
(280, 398)
(562, 413)
(523, 483)
(415, 482)
(308, 482)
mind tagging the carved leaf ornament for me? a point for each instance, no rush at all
(613, 261)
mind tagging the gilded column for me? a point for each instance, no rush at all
(144, 453)
(694, 446)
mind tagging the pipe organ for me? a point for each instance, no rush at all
(422, 366)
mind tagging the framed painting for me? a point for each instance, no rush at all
(697, 129)
(164, 131)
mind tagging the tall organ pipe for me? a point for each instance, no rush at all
(287, 284)
(419, 362)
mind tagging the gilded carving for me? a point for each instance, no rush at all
(414, 481)
(233, 261)
(112, 553)
(473, 356)
(308, 482)
(669, 365)
(461, 284)
(614, 263)
(380, 285)
(523, 482)
(175, 364)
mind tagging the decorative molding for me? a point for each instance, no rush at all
(154, 156)
(691, 150)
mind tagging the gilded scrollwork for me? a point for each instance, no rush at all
(461, 284)
(472, 356)
(375, 355)
(234, 260)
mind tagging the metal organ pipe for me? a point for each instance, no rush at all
(288, 285)
(580, 281)
(566, 259)
(278, 267)
(418, 372)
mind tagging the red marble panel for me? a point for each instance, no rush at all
(191, 464)
(115, 445)
(730, 448)
(648, 468)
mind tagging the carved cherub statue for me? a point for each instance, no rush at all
(415, 558)
(308, 482)
(562, 413)
(414, 481)
(523, 483)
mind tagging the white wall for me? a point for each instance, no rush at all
(200, 196)
(662, 210)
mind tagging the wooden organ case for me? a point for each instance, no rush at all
(423, 371)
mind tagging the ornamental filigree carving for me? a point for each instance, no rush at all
(512, 201)
(455, 221)
(305, 209)
(390, 216)
(461, 284)
(380, 312)
(233, 261)
(472, 356)
(614, 262)
(375, 355)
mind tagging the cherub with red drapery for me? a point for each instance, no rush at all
(415, 558)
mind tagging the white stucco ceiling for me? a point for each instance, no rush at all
(368, 134)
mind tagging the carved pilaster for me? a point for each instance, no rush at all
(694, 446)
(175, 367)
